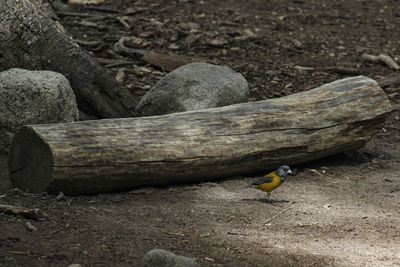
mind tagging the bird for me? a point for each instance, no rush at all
(272, 180)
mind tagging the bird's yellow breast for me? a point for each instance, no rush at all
(268, 187)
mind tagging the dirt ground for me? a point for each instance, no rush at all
(339, 211)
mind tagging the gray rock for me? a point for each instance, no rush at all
(164, 258)
(33, 97)
(192, 87)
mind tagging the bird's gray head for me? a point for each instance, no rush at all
(283, 171)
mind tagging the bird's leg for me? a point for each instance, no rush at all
(268, 194)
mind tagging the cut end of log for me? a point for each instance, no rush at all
(30, 161)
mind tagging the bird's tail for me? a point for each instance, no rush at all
(247, 186)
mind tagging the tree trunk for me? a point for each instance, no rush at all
(31, 38)
(121, 154)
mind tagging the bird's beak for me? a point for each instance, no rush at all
(289, 171)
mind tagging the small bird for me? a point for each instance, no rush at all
(272, 180)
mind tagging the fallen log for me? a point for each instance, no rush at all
(120, 154)
(31, 38)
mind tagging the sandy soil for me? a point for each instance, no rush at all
(339, 211)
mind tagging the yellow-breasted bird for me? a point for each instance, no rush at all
(272, 180)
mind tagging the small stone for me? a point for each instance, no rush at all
(218, 42)
(173, 46)
(164, 258)
(29, 226)
(297, 43)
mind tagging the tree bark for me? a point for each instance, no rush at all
(31, 38)
(120, 154)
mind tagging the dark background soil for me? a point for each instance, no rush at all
(338, 211)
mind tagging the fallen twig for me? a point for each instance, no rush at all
(102, 9)
(335, 69)
(381, 59)
(279, 213)
(109, 63)
(167, 62)
(123, 22)
(175, 234)
(61, 196)
(60, 229)
(120, 48)
(76, 14)
(92, 45)
(33, 214)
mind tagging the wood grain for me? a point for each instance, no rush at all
(120, 154)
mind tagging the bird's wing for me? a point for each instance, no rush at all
(263, 180)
